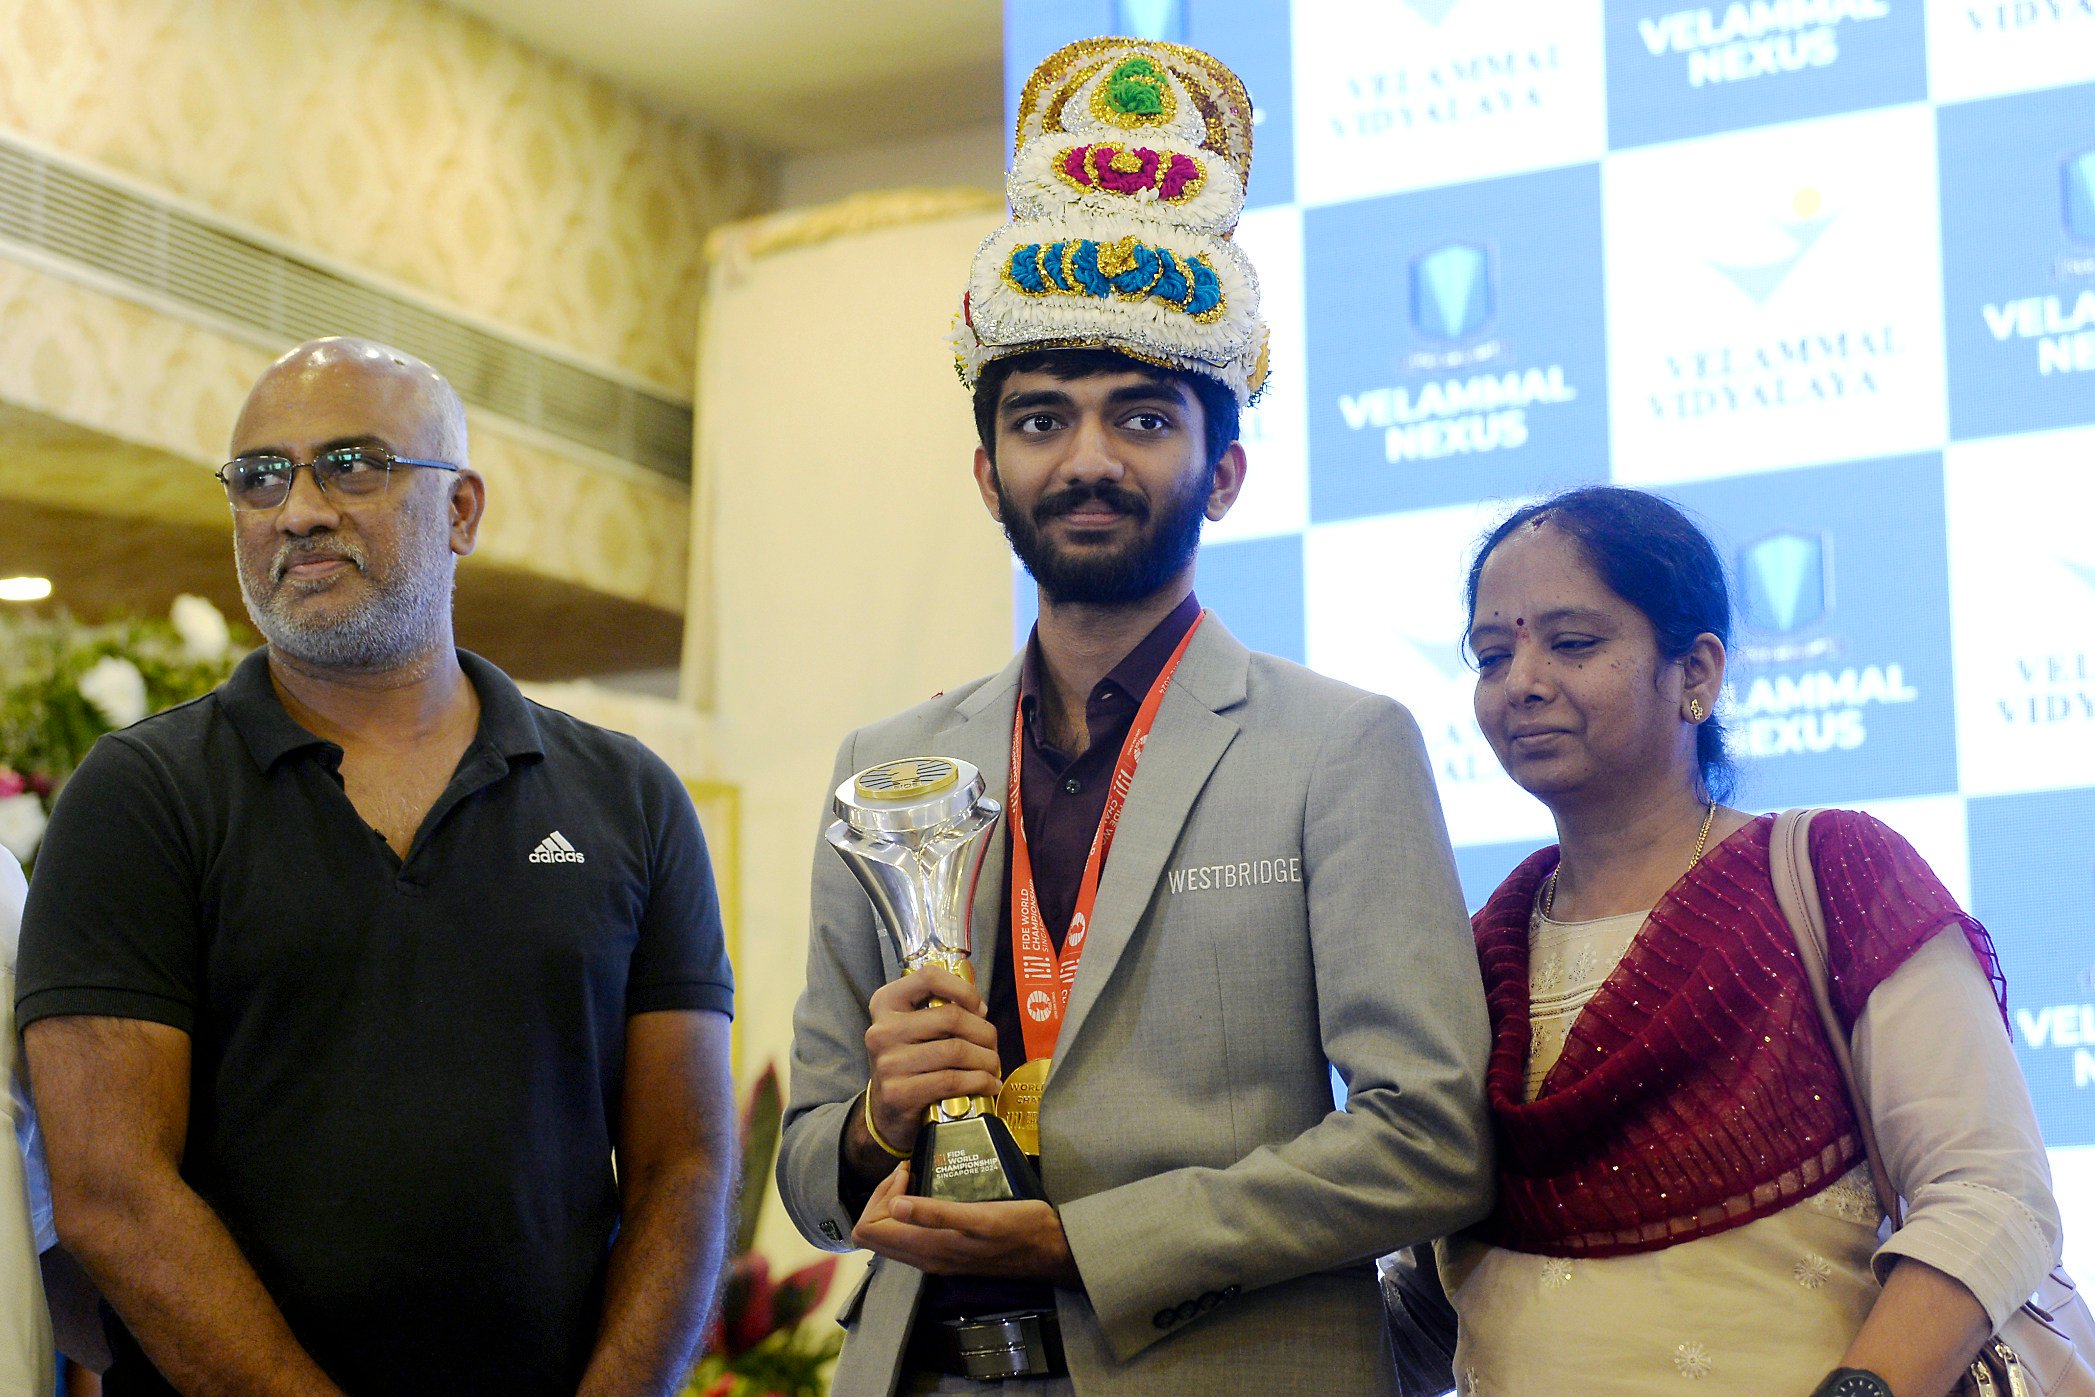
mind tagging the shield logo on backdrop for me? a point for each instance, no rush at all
(1163, 20)
(1452, 297)
(2077, 194)
(1787, 578)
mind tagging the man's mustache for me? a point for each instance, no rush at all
(293, 551)
(1075, 497)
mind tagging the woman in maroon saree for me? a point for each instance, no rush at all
(1683, 1196)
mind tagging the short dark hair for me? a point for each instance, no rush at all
(1218, 406)
(1650, 554)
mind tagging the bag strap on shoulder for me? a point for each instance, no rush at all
(1797, 892)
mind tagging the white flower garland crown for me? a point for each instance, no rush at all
(1127, 183)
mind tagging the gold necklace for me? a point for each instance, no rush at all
(1549, 890)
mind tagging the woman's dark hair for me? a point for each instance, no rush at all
(1650, 554)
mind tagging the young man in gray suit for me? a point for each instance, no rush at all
(1221, 874)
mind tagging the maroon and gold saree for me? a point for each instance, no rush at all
(1696, 1091)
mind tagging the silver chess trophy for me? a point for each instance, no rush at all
(906, 830)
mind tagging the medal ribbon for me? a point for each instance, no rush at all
(1045, 977)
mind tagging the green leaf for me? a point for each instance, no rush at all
(762, 1118)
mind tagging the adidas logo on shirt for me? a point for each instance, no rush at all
(554, 848)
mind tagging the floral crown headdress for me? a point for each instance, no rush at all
(1130, 164)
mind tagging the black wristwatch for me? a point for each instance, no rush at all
(1852, 1382)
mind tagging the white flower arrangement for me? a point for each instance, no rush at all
(63, 685)
(1002, 320)
(205, 635)
(1108, 128)
(1081, 107)
(22, 821)
(1036, 188)
(116, 689)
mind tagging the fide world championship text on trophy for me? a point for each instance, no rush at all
(906, 830)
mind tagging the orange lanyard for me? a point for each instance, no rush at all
(1044, 977)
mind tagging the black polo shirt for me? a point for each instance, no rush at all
(405, 1074)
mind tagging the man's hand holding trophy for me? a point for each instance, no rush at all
(911, 831)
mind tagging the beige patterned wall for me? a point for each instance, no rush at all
(159, 394)
(404, 139)
(404, 142)
(129, 374)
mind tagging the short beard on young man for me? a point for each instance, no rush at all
(1159, 550)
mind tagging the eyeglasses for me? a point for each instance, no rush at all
(346, 475)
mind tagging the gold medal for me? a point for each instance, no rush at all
(1018, 1104)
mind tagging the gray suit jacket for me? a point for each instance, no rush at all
(1280, 897)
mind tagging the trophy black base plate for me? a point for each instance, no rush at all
(970, 1161)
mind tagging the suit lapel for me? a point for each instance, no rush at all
(981, 733)
(1190, 736)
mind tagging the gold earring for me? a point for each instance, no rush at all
(1695, 709)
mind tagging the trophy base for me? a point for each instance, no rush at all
(970, 1161)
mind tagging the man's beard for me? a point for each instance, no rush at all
(401, 615)
(1137, 569)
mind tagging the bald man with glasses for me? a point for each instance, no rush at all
(343, 985)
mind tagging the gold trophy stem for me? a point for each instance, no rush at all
(953, 1108)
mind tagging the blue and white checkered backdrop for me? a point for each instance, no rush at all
(1822, 271)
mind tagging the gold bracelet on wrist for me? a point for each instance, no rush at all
(874, 1130)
